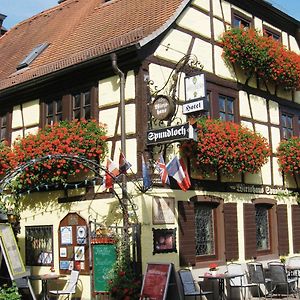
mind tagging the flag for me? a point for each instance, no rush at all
(161, 167)
(112, 170)
(124, 165)
(146, 175)
(177, 170)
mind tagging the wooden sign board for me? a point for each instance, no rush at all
(159, 282)
(11, 252)
(104, 258)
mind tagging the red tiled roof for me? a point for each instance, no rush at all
(78, 30)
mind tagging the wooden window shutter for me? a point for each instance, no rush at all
(282, 228)
(296, 227)
(231, 231)
(249, 230)
(186, 222)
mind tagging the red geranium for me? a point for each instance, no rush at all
(288, 153)
(226, 148)
(263, 56)
(81, 138)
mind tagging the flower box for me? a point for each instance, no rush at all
(262, 56)
(225, 148)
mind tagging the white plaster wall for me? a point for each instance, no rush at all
(195, 21)
(110, 118)
(277, 177)
(258, 24)
(222, 10)
(240, 224)
(219, 28)
(202, 4)
(160, 75)
(109, 89)
(275, 133)
(294, 44)
(174, 46)
(16, 134)
(259, 108)
(244, 105)
(262, 130)
(203, 51)
(285, 39)
(242, 11)
(274, 112)
(297, 97)
(221, 68)
(31, 114)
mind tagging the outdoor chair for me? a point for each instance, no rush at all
(257, 276)
(189, 285)
(70, 288)
(280, 282)
(239, 281)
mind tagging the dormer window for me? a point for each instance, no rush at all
(32, 56)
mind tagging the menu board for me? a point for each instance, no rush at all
(104, 258)
(11, 252)
(156, 281)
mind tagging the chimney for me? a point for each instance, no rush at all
(2, 29)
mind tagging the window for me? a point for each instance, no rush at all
(262, 227)
(3, 127)
(240, 20)
(272, 33)
(81, 105)
(223, 103)
(32, 56)
(205, 234)
(226, 108)
(39, 245)
(78, 105)
(287, 125)
(53, 112)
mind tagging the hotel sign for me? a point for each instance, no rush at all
(195, 106)
(171, 134)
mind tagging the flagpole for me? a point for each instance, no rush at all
(123, 150)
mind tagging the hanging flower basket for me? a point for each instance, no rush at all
(288, 153)
(80, 138)
(6, 157)
(225, 148)
(262, 56)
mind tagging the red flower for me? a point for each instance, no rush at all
(234, 148)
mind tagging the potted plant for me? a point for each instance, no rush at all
(213, 268)
(288, 154)
(77, 137)
(9, 292)
(260, 55)
(124, 283)
(225, 148)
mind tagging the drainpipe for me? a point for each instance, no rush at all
(123, 148)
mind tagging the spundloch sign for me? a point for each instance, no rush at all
(170, 134)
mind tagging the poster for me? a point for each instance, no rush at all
(163, 210)
(66, 235)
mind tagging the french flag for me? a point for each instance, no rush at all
(177, 169)
(162, 169)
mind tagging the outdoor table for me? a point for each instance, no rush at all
(221, 281)
(45, 278)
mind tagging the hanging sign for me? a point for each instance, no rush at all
(163, 107)
(195, 87)
(170, 134)
(192, 106)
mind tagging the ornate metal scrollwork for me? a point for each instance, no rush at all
(189, 65)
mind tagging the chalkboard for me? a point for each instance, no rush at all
(156, 281)
(104, 257)
(11, 252)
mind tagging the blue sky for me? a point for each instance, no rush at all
(19, 10)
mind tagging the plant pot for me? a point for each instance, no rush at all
(214, 273)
